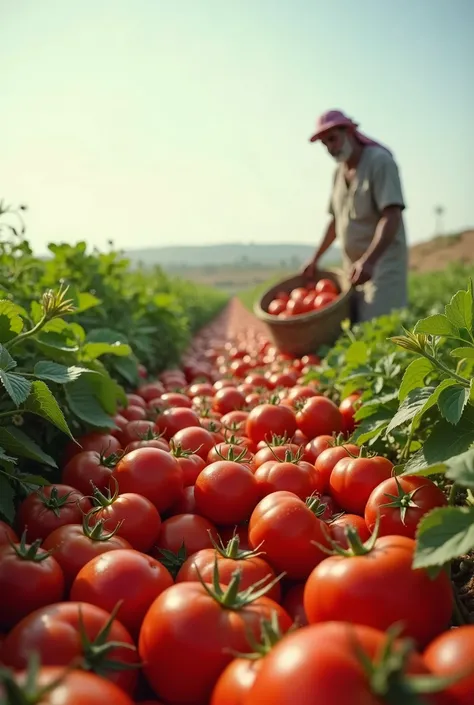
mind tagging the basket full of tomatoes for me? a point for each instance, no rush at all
(301, 316)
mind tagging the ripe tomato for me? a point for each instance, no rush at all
(50, 507)
(173, 420)
(293, 603)
(301, 478)
(126, 575)
(450, 654)
(176, 399)
(99, 442)
(153, 473)
(137, 431)
(354, 589)
(228, 399)
(353, 480)
(57, 686)
(190, 464)
(337, 528)
(201, 389)
(300, 392)
(286, 451)
(29, 579)
(186, 504)
(134, 413)
(226, 492)
(54, 632)
(326, 461)
(151, 391)
(276, 306)
(319, 416)
(401, 503)
(193, 531)
(168, 647)
(7, 534)
(326, 286)
(321, 664)
(194, 439)
(285, 527)
(323, 300)
(348, 407)
(269, 420)
(87, 470)
(140, 519)
(75, 545)
(315, 447)
(235, 682)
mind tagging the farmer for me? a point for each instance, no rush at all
(366, 215)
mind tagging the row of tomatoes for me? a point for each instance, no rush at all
(200, 529)
(303, 299)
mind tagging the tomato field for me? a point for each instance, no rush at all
(191, 517)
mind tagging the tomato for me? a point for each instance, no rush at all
(190, 530)
(236, 452)
(257, 379)
(353, 480)
(226, 533)
(285, 528)
(156, 442)
(276, 306)
(348, 407)
(337, 528)
(228, 399)
(269, 420)
(315, 447)
(401, 503)
(322, 664)
(153, 473)
(190, 464)
(319, 416)
(136, 400)
(230, 558)
(451, 654)
(226, 492)
(326, 461)
(203, 389)
(126, 575)
(186, 504)
(99, 442)
(176, 399)
(50, 507)
(89, 469)
(137, 518)
(7, 534)
(301, 478)
(293, 603)
(134, 413)
(286, 451)
(75, 545)
(235, 420)
(59, 686)
(173, 420)
(285, 380)
(168, 647)
(55, 633)
(354, 589)
(137, 430)
(195, 439)
(300, 392)
(324, 299)
(29, 579)
(235, 682)
(151, 391)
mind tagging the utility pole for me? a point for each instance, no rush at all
(439, 212)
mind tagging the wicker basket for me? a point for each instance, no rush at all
(306, 332)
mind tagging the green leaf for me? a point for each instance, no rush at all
(9, 459)
(37, 480)
(83, 403)
(459, 310)
(357, 353)
(85, 301)
(17, 387)
(7, 363)
(438, 324)
(7, 499)
(91, 351)
(433, 398)
(126, 367)
(446, 440)
(443, 534)
(467, 353)
(108, 392)
(417, 465)
(410, 407)
(17, 442)
(61, 374)
(461, 468)
(452, 402)
(42, 402)
(414, 376)
(36, 312)
(371, 428)
(11, 322)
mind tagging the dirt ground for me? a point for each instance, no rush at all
(433, 256)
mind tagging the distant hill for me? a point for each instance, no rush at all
(280, 255)
(435, 254)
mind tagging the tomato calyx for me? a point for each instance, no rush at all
(316, 505)
(339, 439)
(402, 500)
(150, 435)
(355, 546)
(102, 500)
(54, 502)
(29, 552)
(387, 674)
(233, 455)
(30, 693)
(270, 635)
(232, 598)
(232, 548)
(97, 532)
(110, 460)
(96, 651)
(277, 441)
(173, 561)
(177, 450)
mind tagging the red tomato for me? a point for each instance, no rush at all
(401, 503)
(99, 442)
(190, 530)
(324, 299)
(176, 399)
(450, 654)
(353, 480)
(173, 420)
(136, 400)
(57, 686)
(337, 528)
(326, 286)
(226, 492)
(228, 399)
(195, 439)
(293, 603)
(186, 504)
(134, 413)
(285, 380)
(235, 682)
(190, 463)
(29, 579)
(269, 420)
(285, 527)
(153, 473)
(326, 461)
(319, 416)
(286, 451)
(126, 575)
(150, 443)
(276, 306)
(151, 390)
(168, 647)
(76, 545)
(141, 429)
(301, 478)
(55, 633)
(315, 447)
(7, 534)
(50, 507)
(354, 589)
(300, 392)
(348, 407)
(321, 664)
(203, 389)
(87, 470)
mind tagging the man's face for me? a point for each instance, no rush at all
(334, 140)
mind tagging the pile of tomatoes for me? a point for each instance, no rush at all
(227, 545)
(303, 299)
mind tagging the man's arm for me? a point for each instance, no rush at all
(326, 242)
(385, 233)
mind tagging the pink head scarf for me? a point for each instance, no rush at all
(336, 118)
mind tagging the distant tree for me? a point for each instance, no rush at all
(439, 212)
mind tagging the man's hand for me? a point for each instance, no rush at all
(361, 272)
(310, 270)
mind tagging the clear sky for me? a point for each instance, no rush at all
(158, 122)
